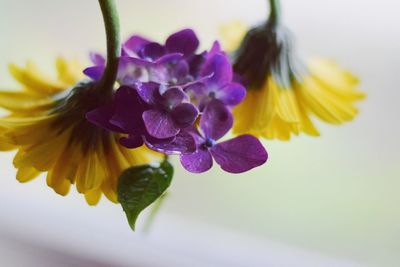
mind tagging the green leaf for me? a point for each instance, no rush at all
(140, 186)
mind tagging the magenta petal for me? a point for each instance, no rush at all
(231, 94)
(216, 120)
(182, 143)
(197, 162)
(159, 124)
(132, 70)
(220, 67)
(153, 140)
(127, 61)
(101, 117)
(128, 110)
(135, 43)
(174, 96)
(240, 154)
(180, 71)
(94, 73)
(169, 58)
(184, 42)
(215, 49)
(152, 51)
(195, 62)
(184, 115)
(131, 141)
(149, 92)
(196, 89)
(97, 58)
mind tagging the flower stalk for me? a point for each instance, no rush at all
(111, 23)
(275, 11)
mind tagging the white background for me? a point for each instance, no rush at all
(331, 201)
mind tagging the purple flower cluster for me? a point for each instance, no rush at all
(177, 102)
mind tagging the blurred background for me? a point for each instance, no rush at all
(328, 201)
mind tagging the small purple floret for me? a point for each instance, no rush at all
(236, 155)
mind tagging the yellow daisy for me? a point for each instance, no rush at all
(46, 124)
(283, 93)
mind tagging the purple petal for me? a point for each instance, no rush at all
(132, 70)
(126, 52)
(129, 108)
(184, 115)
(215, 49)
(174, 96)
(97, 58)
(195, 63)
(152, 51)
(169, 58)
(150, 92)
(183, 143)
(231, 94)
(135, 43)
(216, 120)
(197, 162)
(153, 140)
(101, 117)
(159, 124)
(184, 42)
(240, 154)
(197, 88)
(126, 60)
(95, 72)
(198, 95)
(131, 141)
(180, 71)
(220, 67)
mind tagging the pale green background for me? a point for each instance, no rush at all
(337, 195)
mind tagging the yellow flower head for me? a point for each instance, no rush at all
(46, 124)
(282, 92)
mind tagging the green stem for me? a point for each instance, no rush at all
(111, 23)
(275, 11)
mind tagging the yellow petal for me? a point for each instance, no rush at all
(278, 129)
(43, 155)
(34, 81)
(13, 122)
(333, 78)
(26, 130)
(26, 174)
(307, 125)
(257, 110)
(137, 156)
(59, 184)
(267, 98)
(286, 105)
(24, 102)
(116, 162)
(5, 144)
(59, 176)
(244, 114)
(110, 192)
(69, 72)
(90, 175)
(325, 105)
(93, 197)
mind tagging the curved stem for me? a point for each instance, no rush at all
(111, 23)
(275, 11)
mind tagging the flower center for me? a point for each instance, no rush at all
(209, 143)
(71, 112)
